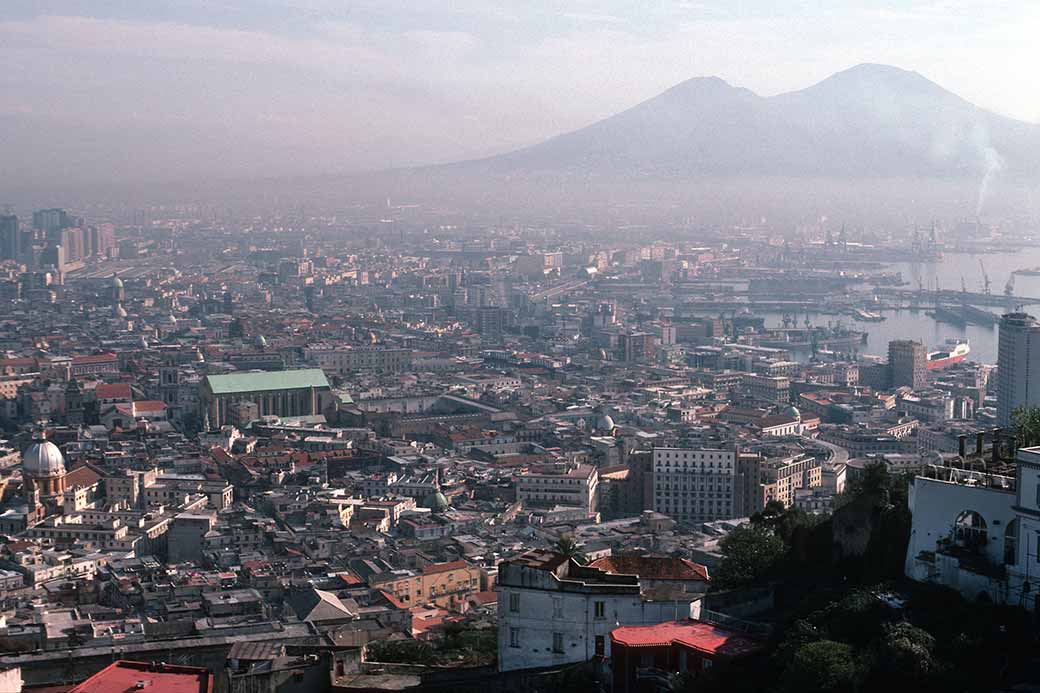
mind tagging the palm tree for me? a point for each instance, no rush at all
(567, 546)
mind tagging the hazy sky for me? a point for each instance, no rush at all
(154, 89)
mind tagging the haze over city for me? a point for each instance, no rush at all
(160, 91)
(500, 347)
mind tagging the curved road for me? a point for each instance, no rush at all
(839, 455)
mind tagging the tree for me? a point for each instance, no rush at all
(749, 553)
(401, 651)
(784, 522)
(1026, 424)
(905, 653)
(824, 665)
(567, 546)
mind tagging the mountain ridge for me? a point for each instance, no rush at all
(870, 120)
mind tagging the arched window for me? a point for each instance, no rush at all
(1011, 542)
(970, 530)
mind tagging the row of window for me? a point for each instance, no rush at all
(599, 608)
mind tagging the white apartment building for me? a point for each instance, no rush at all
(695, 485)
(978, 533)
(775, 389)
(342, 360)
(545, 486)
(551, 611)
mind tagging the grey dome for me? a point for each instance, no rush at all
(435, 502)
(43, 459)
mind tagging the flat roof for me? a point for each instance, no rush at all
(700, 636)
(266, 380)
(125, 676)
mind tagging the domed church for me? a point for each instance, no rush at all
(43, 468)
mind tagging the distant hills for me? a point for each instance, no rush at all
(870, 121)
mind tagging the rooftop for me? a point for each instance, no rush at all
(268, 380)
(127, 676)
(703, 637)
(652, 567)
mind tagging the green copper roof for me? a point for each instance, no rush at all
(267, 380)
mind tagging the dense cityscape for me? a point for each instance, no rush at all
(384, 453)
(484, 346)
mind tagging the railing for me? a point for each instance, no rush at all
(733, 623)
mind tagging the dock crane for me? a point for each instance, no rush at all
(1009, 288)
(985, 278)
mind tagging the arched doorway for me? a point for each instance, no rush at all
(1011, 542)
(969, 530)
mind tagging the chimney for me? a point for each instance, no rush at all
(980, 438)
(997, 434)
(962, 445)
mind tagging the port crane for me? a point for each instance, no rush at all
(985, 278)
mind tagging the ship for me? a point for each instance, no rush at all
(1028, 271)
(956, 351)
(866, 316)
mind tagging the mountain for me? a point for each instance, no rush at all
(870, 121)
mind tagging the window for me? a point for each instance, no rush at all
(601, 645)
(706, 664)
(558, 643)
(557, 608)
(599, 610)
(514, 602)
(514, 637)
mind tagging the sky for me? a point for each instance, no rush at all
(124, 90)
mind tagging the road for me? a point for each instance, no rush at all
(839, 455)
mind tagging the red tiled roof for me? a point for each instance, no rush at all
(94, 358)
(113, 391)
(349, 578)
(21, 361)
(125, 676)
(394, 601)
(444, 567)
(83, 475)
(652, 567)
(703, 637)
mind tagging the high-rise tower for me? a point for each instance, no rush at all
(1018, 365)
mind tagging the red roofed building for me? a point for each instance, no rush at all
(125, 415)
(113, 393)
(447, 585)
(658, 572)
(642, 656)
(94, 363)
(122, 676)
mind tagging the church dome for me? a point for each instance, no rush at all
(605, 423)
(43, 459)
(119, 311)
(261, 341)
(435, 502)
(116, 282)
